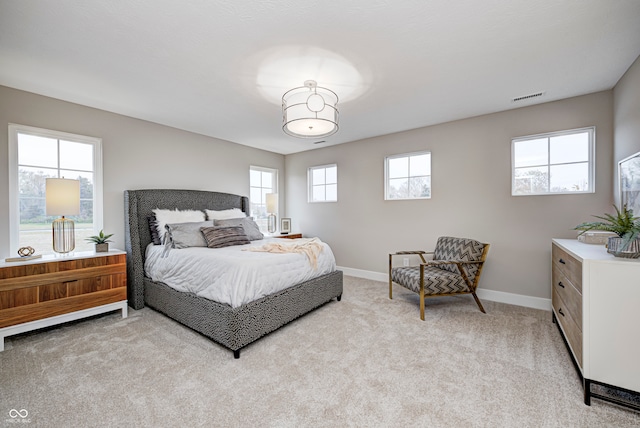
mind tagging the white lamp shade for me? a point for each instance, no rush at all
(62, 196)
(272, 202)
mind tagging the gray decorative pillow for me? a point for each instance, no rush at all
(250, 227)
(184, 235)
(218, 237)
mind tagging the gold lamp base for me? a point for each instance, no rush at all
(64, 235)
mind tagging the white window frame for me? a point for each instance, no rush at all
(274, 189)
(14, 214)
(386, 175)
(591, 130)
(311, 185)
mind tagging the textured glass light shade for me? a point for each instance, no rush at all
(63, 198)
(271, 223)
(64, 235)
(310, 111)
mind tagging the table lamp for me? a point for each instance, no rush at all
(272, 208)
(63, 198)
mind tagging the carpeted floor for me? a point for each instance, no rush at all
(366, 361)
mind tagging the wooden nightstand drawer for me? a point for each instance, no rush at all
(290, 236)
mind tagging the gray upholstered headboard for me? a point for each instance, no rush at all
(138, 205)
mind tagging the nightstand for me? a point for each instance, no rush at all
(59, 288)
(289, 236)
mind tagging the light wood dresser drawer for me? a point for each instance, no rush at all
(569, 326)
(568, 265)
(569, 295)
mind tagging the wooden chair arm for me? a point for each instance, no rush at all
(412, 252)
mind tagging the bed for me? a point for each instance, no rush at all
(231, 327)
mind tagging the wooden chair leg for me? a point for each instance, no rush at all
(475, 296)
(390, 282)
(422, 292)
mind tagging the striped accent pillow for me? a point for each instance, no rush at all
(218, 237)
(153, 230)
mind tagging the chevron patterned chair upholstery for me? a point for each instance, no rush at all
(455, 269)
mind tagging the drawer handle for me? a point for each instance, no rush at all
(560, 284)
(560, 312)
(562, 262)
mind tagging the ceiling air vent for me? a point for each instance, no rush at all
(527, 97)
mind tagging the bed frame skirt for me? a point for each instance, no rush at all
(235, 328)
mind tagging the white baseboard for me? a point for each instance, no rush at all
(494, 296)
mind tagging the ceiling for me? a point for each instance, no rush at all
(219, 68)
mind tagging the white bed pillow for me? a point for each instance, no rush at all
(225, 214)
(164, 217)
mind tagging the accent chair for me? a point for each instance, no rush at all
(455, 269)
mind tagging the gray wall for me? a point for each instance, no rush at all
(471, 179)
(136, 155)
(626, 110)
(471, 194)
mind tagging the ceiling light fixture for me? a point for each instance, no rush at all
(310, 111)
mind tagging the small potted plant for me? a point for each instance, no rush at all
(623, 224)
(102, 242)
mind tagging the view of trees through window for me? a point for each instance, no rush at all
(42, 157)
(559, 162)
(408, 176)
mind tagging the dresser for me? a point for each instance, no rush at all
(59, 288)
(596, 303)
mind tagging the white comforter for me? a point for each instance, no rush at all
(233, 276)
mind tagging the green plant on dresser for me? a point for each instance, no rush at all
(623, 224)
(101, 240)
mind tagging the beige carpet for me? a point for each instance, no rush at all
(365, 361)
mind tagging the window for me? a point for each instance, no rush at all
(36, 154)
(553, 163)
(407, 176)
(323, 183)
(261, 181)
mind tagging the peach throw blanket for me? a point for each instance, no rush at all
(312, 247)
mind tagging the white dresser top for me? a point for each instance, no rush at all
(584, 251)
(75, 255)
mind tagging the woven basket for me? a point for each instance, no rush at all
(614, 246)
